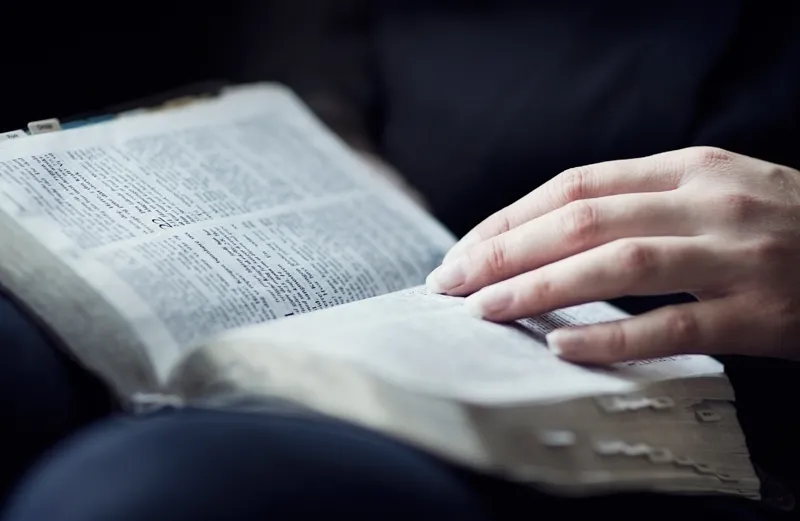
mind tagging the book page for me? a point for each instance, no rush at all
(431, 345)
(418, 367)
(193, 221)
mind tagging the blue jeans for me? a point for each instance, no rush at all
(71, 457)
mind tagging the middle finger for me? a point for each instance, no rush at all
(567, 231)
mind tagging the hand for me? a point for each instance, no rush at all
(721, 226)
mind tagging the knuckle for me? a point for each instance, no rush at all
(711, 157)
(635, 259)
(544, 290)
(739, 207)
(581, 223)
(779, 176)
(499, 223)
(682, 325)
(782, 314)
(767, 250)
(495, 259)
(775, 315)
(778, 307)
(616, 345)
(667, 167)
(575, 184)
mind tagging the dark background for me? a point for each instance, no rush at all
(66, 59)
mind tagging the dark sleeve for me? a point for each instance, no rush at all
(766, 393)
(322, 50)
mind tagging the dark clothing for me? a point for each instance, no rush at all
(277, 463)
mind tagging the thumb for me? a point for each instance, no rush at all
(709, 327)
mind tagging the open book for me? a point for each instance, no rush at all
(234, 245)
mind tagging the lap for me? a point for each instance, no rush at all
(196, 464)
(43, 395)
(202, 464)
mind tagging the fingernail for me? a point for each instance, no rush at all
(459, 247)
(489, 301)
(563, 342)
(446, 277)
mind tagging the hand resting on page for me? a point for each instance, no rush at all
(721, 226)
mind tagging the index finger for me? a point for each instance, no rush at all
(656, 173)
